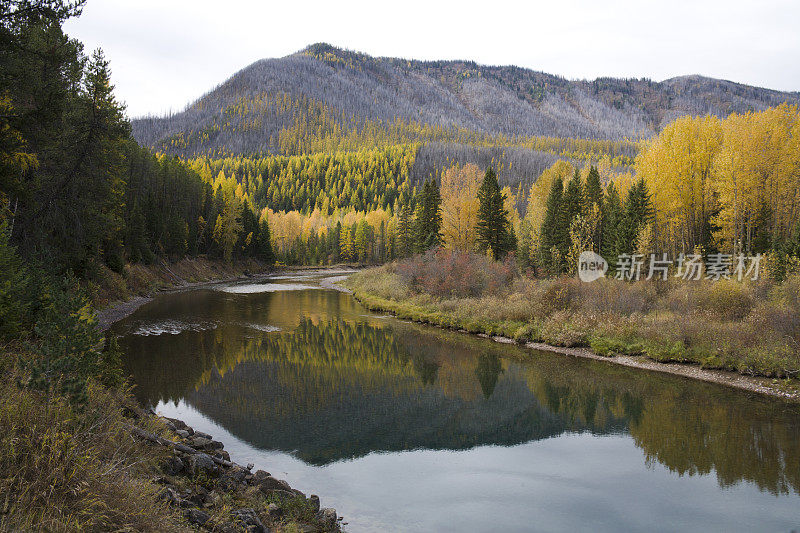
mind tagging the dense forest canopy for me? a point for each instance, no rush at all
(77, 193)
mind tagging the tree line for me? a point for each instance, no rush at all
(76, 191)
(78, 196)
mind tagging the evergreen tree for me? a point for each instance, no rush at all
(638, 213)
(593, 195)
(228, 227)
(552, 226)
(594, 190)
(248, 237)
(177, 236)
(494, 228)
(613, 213)
(334, 244)
(428, 217)
(264, 245)
(572, 206)
(361, 242)
(405, 230)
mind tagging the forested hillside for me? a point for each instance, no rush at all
(267, 126)
(324, 97)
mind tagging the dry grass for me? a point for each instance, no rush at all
(63, 469)
(752, 328)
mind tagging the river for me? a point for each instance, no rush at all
(403, 427)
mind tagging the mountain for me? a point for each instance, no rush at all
(323, 92)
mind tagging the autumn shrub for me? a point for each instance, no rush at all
(382, 282)
(788, 293)
(452, 273)
(725, 299)
(614, 334)
(609, 295)
(566, 329)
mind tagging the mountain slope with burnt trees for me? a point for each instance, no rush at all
(324, 98)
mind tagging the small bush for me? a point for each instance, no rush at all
(609, 295)
(726, 299)
(449, 273)
(564, 329)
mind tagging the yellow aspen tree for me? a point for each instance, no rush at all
(459, 190)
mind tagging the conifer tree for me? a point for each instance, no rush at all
(552, 226)
(572, 206)
(594, 190)
(638, 213)
(405, 230)
(361, 242)
(428, 217)
(613, 213)
(264, 245)
(494, 228)
(593, 195)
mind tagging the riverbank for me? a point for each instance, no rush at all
(218, 494)
(203, 273)
(105, 464)
(110, 464)
(116, 296)
(550, 317)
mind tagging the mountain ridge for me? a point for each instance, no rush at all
(334, 89)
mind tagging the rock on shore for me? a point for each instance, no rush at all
(216, 494)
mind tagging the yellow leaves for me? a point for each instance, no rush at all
(739, 168)
(459, 190)
(677, 167)
(13, 158)
(510, 205)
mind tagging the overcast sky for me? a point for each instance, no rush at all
(166, 53)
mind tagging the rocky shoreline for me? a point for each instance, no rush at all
(216, 494)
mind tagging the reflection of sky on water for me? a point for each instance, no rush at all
(407, 428)
(574, 482)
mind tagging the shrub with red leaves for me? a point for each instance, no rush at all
(451, 273)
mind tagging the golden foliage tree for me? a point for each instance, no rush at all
(460, 205)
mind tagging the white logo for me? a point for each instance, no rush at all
(591, 266)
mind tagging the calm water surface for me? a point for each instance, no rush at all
(403, 427)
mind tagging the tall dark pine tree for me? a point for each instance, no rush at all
(247, 243)
(264, 243)
(638, 213)
(494, 228)
(572, 206)
(552, 226)
(405, 229)
(613, 213)
(428, 219)
(593, 195)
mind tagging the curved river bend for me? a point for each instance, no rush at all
(402, 427)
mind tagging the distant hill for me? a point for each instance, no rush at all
(325, 92)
